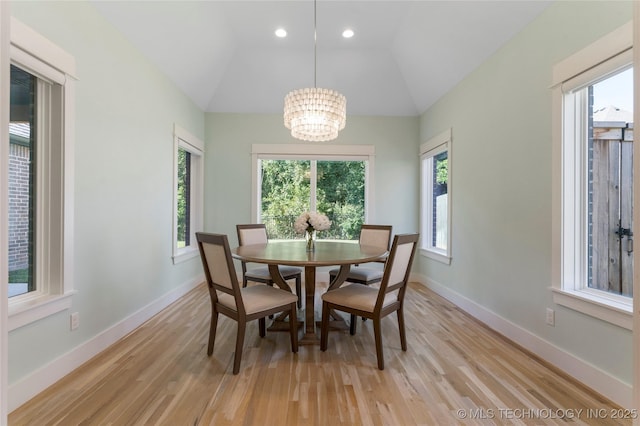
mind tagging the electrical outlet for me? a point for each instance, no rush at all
(551, 317)
(75, 320)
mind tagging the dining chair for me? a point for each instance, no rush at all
(256, 233)
(242, 304)
(375, 303)
(370, 235)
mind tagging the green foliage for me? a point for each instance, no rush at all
(182, 199)
(442, 170)
(285, 186)
(347, 220)
(339, 192)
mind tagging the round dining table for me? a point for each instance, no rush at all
(294, 253)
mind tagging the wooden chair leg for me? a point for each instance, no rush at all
(324, 330)
(270, 284)
(403, 335)
(293, 328)
(352, 326)
(377, 331)
(299, 290)
(262, 327)
(212, 332)
(242, 325)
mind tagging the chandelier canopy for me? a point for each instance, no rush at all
(315, 114)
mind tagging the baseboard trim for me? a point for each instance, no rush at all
(617, 391)
(28, 387)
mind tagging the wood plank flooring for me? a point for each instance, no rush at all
(456, 371)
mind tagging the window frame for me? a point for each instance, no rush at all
(182, 139)
(55, 179)
(606, 56)
(364, 153)
(438, 144)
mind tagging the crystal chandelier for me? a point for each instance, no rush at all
(315, 114)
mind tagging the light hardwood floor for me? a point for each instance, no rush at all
(456, 371)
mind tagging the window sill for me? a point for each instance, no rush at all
(185, 254)
(442, 258)
(609, 308)
(31, 309)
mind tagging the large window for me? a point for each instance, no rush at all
(334, 188)
(332, 180)
(188, 193)
(40, 181)
(435, 165)
(593, 202)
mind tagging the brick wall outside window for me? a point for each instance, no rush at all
(19, 160)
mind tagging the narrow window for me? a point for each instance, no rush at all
(40, 177)
(188, 193)
(439, 225)
(592, 258)
(436, 202)
(184, 198)
(22, 152)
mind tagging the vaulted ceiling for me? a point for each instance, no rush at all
(403, 57)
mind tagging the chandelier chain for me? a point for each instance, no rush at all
(315, 114)
(315, 44)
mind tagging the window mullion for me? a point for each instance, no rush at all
(582, 187)
(428, 195)
(42, 188)
(313, 185)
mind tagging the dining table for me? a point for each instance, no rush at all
(294, 253)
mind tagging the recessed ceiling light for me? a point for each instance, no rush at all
(348, 33)
(281, 32)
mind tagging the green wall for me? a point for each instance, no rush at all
(228, 165)
(501, 224)
(125, 111)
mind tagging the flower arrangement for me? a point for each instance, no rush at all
(310, 222)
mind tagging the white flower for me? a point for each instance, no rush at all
(309, 221)
(319, 222)
(301, 224)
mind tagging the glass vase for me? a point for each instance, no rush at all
(311, 240)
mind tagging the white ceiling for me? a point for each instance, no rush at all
(404, 55)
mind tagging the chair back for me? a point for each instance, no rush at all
(398, 267)
(219, 270)
(253, 233)
(376, 235)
